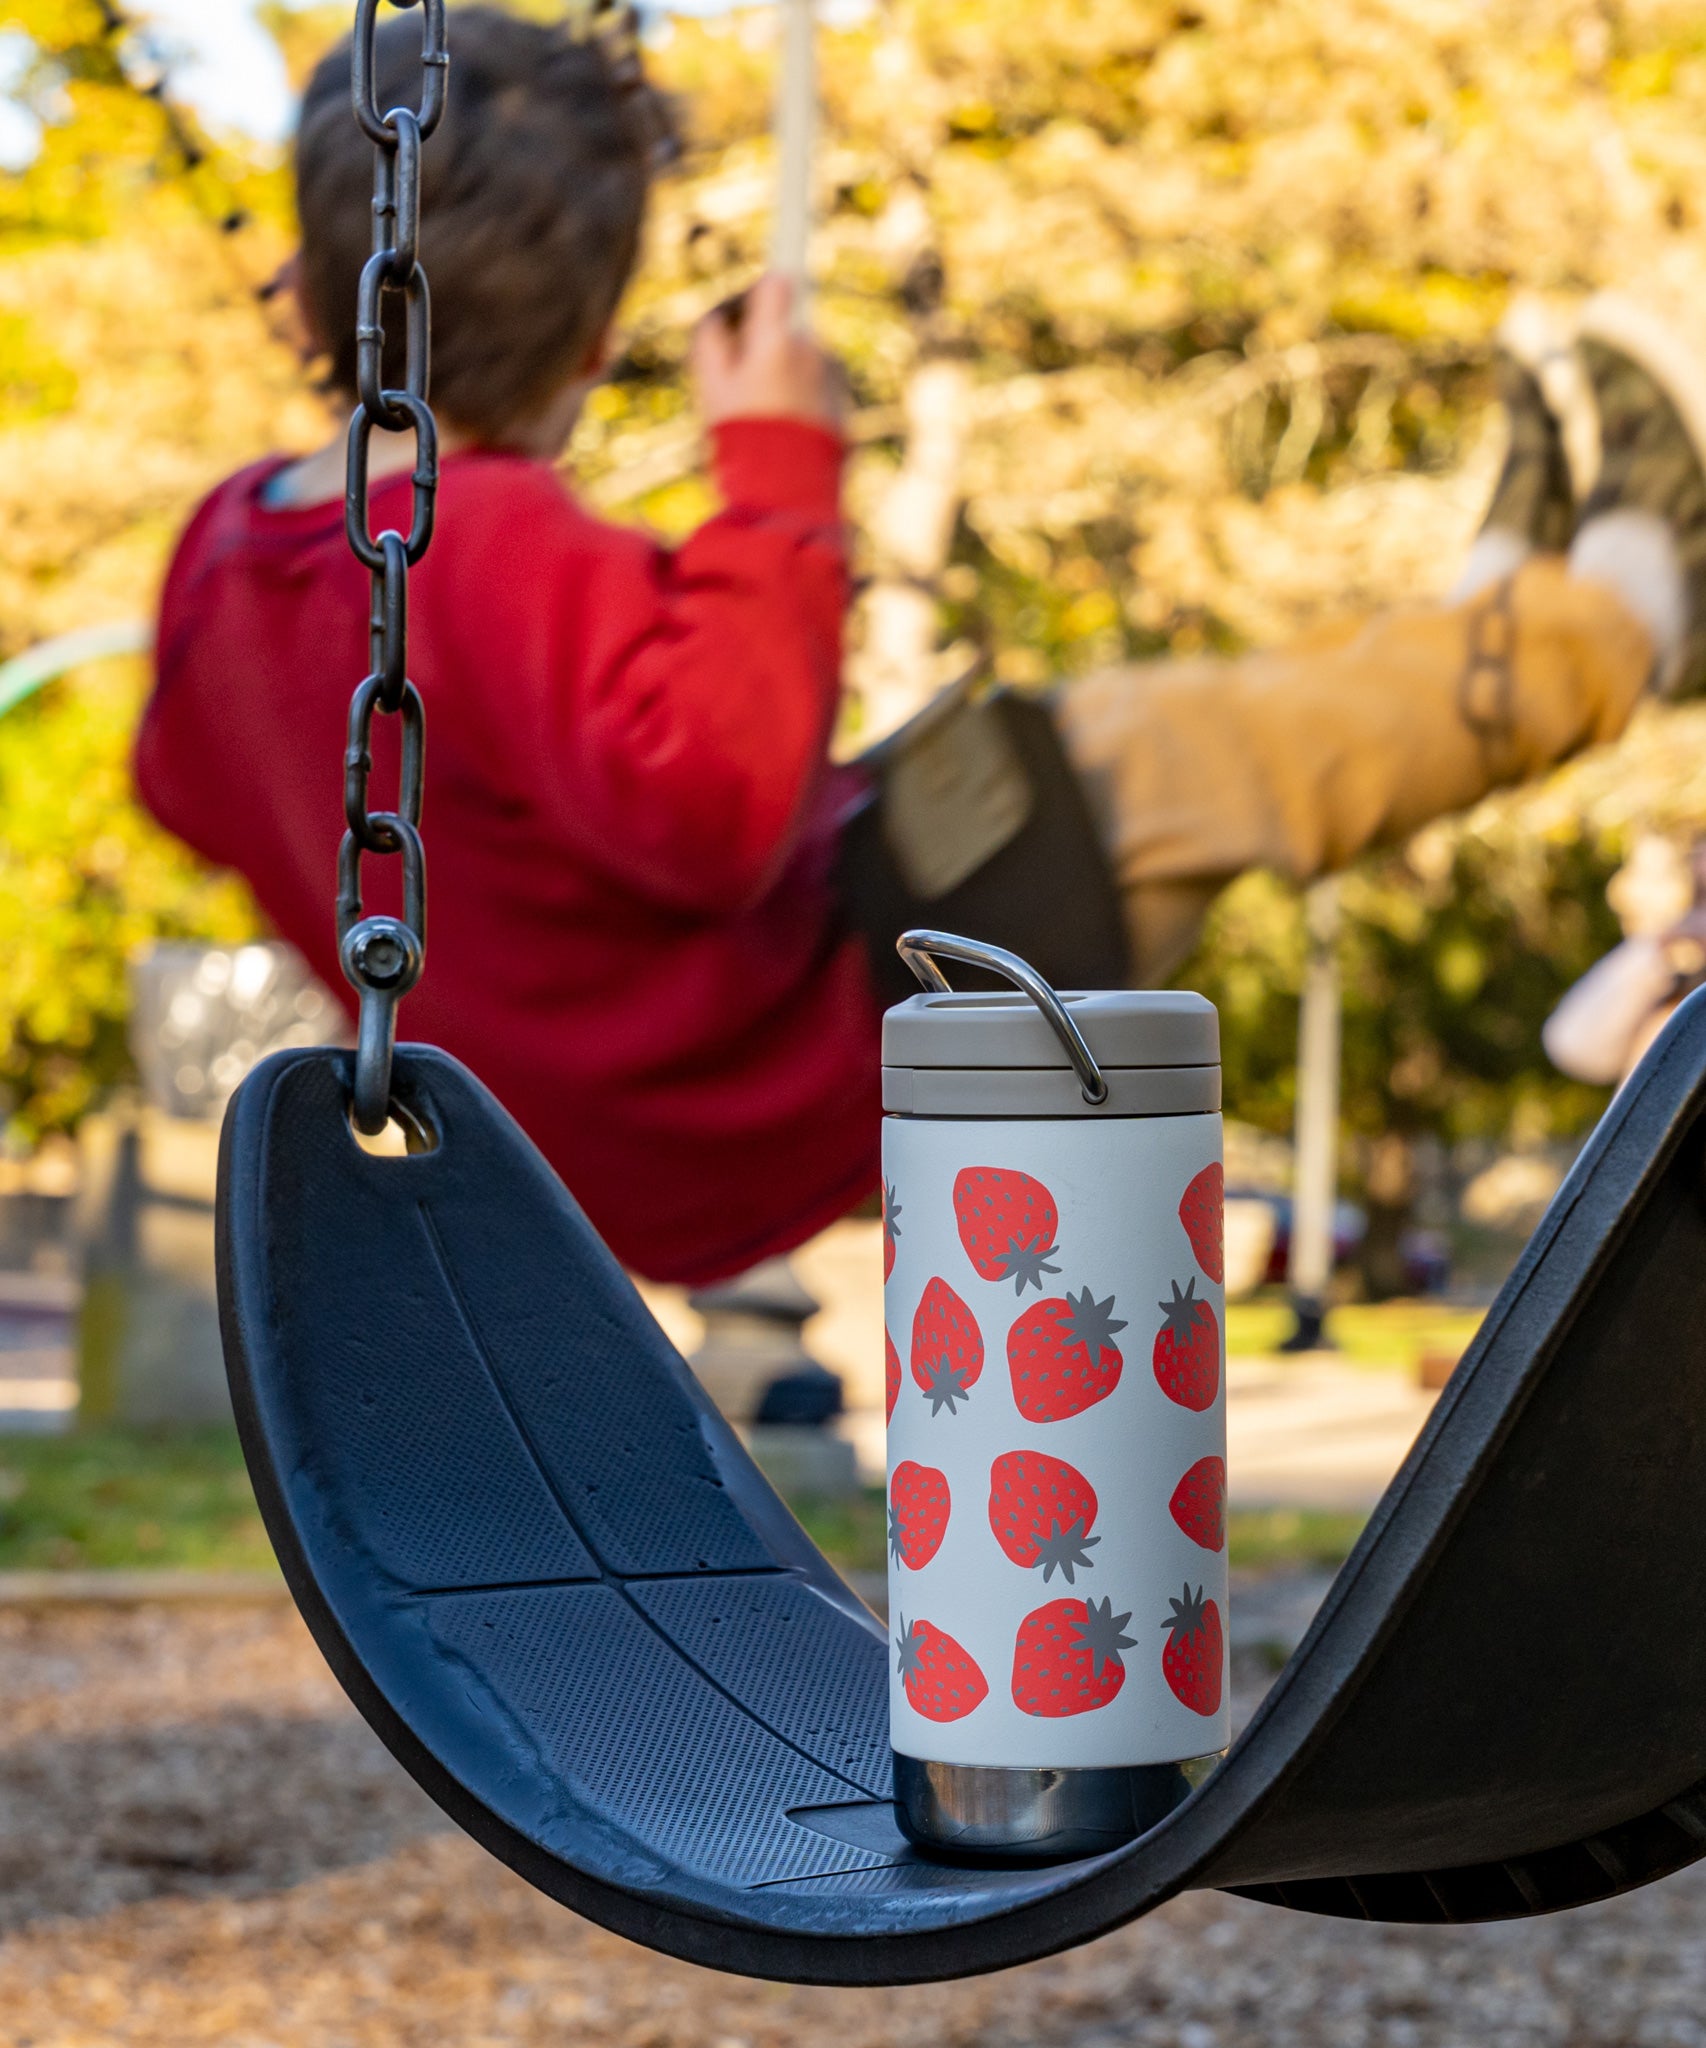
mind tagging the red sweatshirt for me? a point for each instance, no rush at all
(631, 939)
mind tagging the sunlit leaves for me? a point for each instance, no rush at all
(1452, 957)
(85, 879)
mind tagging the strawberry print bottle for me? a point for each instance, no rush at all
(1052, 1207)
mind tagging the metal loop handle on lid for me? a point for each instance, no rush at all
(920, 950)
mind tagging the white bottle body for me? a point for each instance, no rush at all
(1057, 1513)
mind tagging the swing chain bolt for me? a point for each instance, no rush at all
(383, 956)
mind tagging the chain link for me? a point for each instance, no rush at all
(383, 956)
(1486, 691)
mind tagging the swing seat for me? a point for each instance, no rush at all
(548, 1574)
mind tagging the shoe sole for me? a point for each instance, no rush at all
(1619, 323)
(1542, 338)
(1627, 328)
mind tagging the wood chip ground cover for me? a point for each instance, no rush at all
(199, 1842)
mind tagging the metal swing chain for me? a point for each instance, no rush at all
(1486, 690)
(382, 956)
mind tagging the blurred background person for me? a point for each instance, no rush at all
(1600, 1030)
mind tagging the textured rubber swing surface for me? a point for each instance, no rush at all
(550, 1577)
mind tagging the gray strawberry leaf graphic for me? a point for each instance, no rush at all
(945, 1386)
(1024, 1264)
(907, 1646)
(1189, 1615)
(1100, 1632)
(1183, 1312)
(1092, 1323)
(1065, 1550)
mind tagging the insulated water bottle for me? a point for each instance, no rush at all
(1052, 1223)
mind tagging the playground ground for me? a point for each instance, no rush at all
(199, 1842)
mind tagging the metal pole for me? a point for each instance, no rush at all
(796, 136)
(808, 1459)
(1316, 1172)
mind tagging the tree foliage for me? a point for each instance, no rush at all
(1228, 278)
(85, 879)
(1452, 955)
(136, 366)
(1223, 277)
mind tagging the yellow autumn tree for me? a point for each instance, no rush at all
(1168, 325)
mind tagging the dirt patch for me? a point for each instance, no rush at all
(192, 1751)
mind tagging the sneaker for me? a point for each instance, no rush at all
(1534, 499)
(1650, 393)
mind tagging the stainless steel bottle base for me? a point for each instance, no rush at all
(974, 1813)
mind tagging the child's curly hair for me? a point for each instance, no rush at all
(533, 197)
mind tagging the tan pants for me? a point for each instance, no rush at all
(1353, 738)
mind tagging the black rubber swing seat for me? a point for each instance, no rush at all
(550, 1577)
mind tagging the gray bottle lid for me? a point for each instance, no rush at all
(1122, 1027)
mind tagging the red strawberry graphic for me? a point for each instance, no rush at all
(1063, 1357)
(942, 1680)
(1067, 1658)
(1187, 1349)
(918, 1514)
(1195, 1657)
(1199, 1503)
(1202, 1211)
(1041, 1510)
(947, 1347)
(891, 1372)
(1007, 1224)
(891, 1228)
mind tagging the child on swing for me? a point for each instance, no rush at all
(629, 804)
